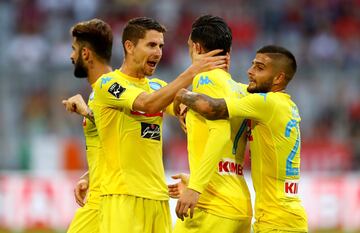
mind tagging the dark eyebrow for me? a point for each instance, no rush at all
(257, 63)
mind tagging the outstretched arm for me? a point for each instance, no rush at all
(210, 108)
(156, 101)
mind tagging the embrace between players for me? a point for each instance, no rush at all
(125, 186)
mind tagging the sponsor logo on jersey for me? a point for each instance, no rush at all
(230, 167)
(151, 131)
(291, 188)
(204, 80)
(116, 90)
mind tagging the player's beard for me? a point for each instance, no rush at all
(80, 71)
(260, 88)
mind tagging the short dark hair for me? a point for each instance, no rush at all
(277, 52)
(96, 34)
(136, 29)
(212, 32)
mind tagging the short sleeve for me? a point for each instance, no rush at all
(113, 92)
(257, 107)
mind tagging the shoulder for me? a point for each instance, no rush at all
(265, 99)
(109, 79)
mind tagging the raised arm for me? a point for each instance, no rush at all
(210, 108)
(157, 101)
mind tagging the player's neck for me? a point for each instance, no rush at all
(98, 70)
(226, 69)
(278, 89)
(131, 71)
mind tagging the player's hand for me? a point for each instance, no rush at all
(80, 191)
(188, 200)
(208, 61)
(182, 117)
(175, 190)
(76, 104)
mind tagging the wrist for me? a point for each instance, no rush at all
(90, 115)
(195, 188)
(193, 70)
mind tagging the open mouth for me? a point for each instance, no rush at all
(152, 63)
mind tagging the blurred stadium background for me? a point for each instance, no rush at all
(42, 146)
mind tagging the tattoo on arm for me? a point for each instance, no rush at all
(90, 116)
(210, 108)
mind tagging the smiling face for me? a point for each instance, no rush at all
(261, 74)
(80, 69)
(147, 53)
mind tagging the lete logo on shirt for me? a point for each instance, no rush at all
(151, 131)
(116, 90)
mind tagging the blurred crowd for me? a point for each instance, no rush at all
(36, 73)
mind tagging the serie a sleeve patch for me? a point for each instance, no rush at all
(116, 90)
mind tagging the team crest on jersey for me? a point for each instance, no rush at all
(151, 131)
(155, 86)
(116, 90)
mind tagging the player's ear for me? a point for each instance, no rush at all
(129, 47)
(85, 53)
(280, 78)
(198, 48)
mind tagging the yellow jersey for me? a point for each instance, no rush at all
(216, 151)
(131, 141)
(92, 155)
(275, 158)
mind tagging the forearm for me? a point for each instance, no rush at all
(210, 108)
(213, 152)
(157, 101)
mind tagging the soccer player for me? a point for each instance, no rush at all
(128, 109)
(274, 139)
(215, 148)
(91, 54)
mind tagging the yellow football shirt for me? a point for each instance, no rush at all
(131, 141)
(216, 151)
(275, 158)
(92, 155)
